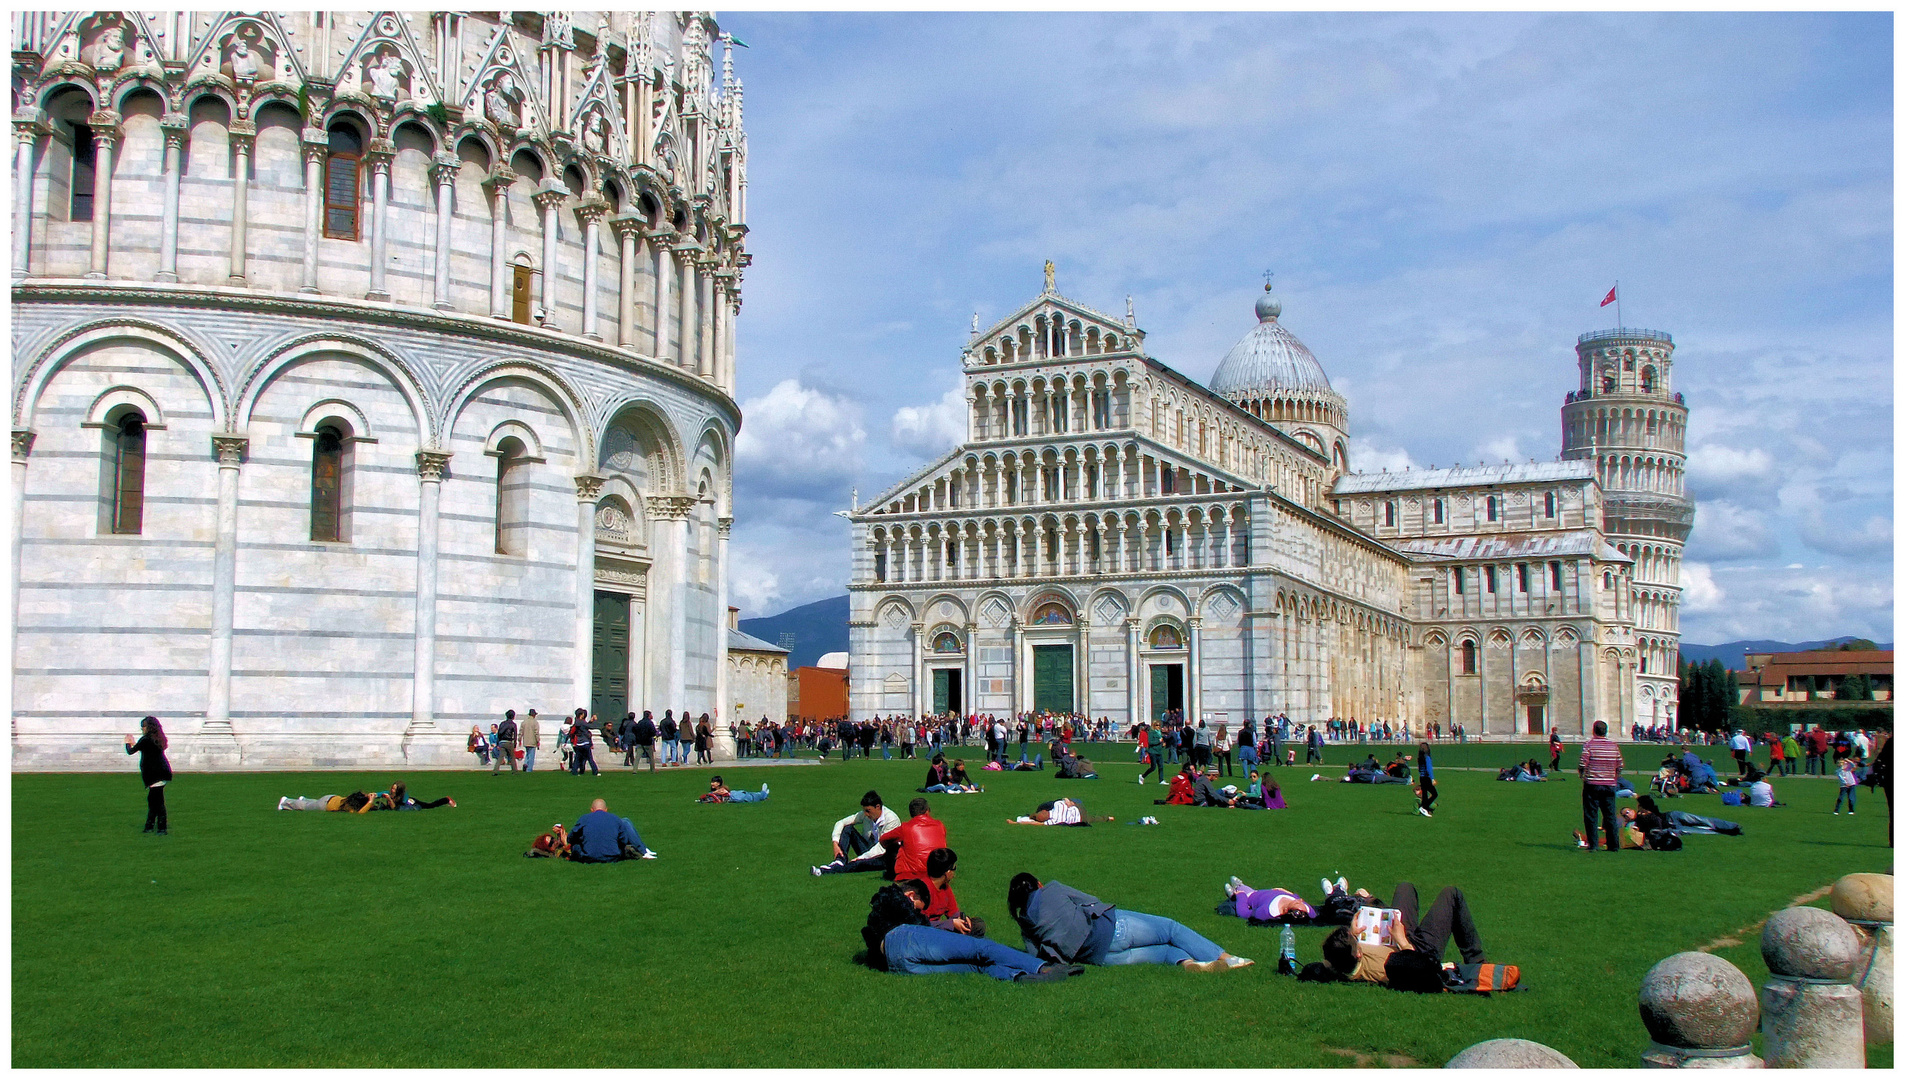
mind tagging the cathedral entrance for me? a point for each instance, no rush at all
(1537, 722)
(608, 685)
(948, 696)
(1167, 689)
(1052, 679)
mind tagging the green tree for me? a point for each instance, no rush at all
(1855, 688)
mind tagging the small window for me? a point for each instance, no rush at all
(512, 497)
(80, 203)
(327, 484)
(1389, 514)
(1607, 383)
(1521, 575)
(1493, 509)
(1170, 541)
(1554, 575)
(1438, 511)
(1550, 504)
(343, 171)
(1019, 410)
(1607, 579)
(1491, 578)
(128, 474)
(1167, 482)
(1461, 585)
(522, 278)
(879, 566)
(1468, 658)
(952, 554)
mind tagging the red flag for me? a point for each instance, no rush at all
(1609, 298)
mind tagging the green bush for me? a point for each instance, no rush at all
(1755, 721)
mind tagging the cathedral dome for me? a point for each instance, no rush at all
(1268, 360)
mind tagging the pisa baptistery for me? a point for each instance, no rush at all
(373, 373)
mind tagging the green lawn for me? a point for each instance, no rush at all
(256, 938)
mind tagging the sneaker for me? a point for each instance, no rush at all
(1851, 813)
(281, 801)
(1328, 888)
(648, 854)
(764, 790)
(1342, 886)
(1235, 962)
(814, 870)
(1048, 973)
(1236, 885)
(1422, 811)
(1835, 813)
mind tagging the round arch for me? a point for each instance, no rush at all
(83, 338)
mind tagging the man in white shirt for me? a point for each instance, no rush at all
(856, 839)
(1742, 747)
(998, 738)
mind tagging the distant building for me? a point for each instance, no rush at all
(816, 693)
(757, 676)
(1794, 678)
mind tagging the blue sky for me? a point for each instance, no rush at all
(1444, 199)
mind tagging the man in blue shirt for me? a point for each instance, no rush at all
(600, 836)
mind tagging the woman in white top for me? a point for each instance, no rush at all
(1222, 745)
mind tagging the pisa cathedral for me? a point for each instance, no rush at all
(373, 373)
(1115, 539)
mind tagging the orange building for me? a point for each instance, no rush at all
(817, 693)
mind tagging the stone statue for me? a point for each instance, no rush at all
(242, 64)
(383, 73)
(1051, 277)
(499, 102)
(108, 50)
(595, 133)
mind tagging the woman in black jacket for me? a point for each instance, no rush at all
(154, 770)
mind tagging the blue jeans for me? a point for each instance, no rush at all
(886, 751)
(1246, 759)
(928, 950)
(1137, 938)
(529, 759)
(1848, 796)
(746, 796)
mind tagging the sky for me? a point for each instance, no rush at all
(1444, 200)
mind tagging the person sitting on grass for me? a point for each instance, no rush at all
(1398, 768)
(1062, 924)
(1759, 791)
(602, 837)
(1058, 812)
(1267, 905)
(1266, 792)
(1411, 957)
(1070, 766)
(718, 793)
(908, 844)
(1183, 789)
(856, 839)
(900, 939)
(942, 907)
(938, 775)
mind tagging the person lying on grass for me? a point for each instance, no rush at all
(1058, 812)
(1070, 766)
(1267, 905)
(1647, 828)
(856, 839)
(900, 939)
(942, 907)
(358, 802)
(718, 792)
(553, 844)
(1062, 924)
(601, 837)
(1410, 957)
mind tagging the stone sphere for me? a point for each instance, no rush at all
(1865, 897)
(1697, 1000)
(1510, 1054)
(1811, 944)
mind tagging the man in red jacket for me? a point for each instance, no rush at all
(912, 842)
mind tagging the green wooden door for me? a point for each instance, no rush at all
(942, 690)
(1052, 679)
(608, 690)
(1167, 689)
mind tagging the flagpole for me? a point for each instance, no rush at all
(1619, 323)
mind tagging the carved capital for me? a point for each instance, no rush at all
(105, 127)
(627, 226)
(379, 155)
(588, 488)
(22, 443)
(242, 136)
(315, 144)
(669, 507)
(591, 211)
(230, 450)
(724, 526)
(430, 465)
(443, 169)
(549, 197)
(174, 126)
(499, 178)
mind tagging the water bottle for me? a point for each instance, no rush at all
(1286, 952)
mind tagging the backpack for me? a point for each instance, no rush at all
(1414, 971)
(1663, 840)
(1481, 978)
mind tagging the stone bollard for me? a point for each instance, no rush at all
(1701, 1012)
(1510, 1054)
(1865, 901)
(1811, 1014)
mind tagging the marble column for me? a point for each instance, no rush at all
(231, 453)
(1021, 670)
(1194, 675)
(105, 127)
(723, 696)
(317, 148)
(423, 680)
(687, 290)
(548, 200)
(1084, 664)
(379, 158)
(667, 596)
(172, 126)
(587, 490)
(590, 213)
(243, 135)
(28, 129)
(920, 701)
(969, 675)
(704, 318)
(496, 186)
(664, 267)
(443, 170)
(718, 349)
(1133, 702)
(628, 230)
(22, 449)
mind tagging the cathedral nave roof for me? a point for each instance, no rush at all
(1533, 472)
(1502, 547)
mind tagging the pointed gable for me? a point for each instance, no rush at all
(501, 90)
(246, 47)
(386, 65)
(1028, 333)
(599, 124)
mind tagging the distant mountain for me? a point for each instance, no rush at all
(1733, 653)
(818, 628)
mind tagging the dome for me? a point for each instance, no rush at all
(1268, 359)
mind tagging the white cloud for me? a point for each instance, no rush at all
(1716, 464)
(1699, 593)
(1369, 455)
(798, 440)
(1873, 537)
(1501, 448)
(1723, 531)
(930, 430)
(752, 586)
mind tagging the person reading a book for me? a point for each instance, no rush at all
(1372, 948)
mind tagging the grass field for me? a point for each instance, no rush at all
(251, 937)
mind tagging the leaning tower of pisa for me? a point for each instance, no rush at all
(1626, 418)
